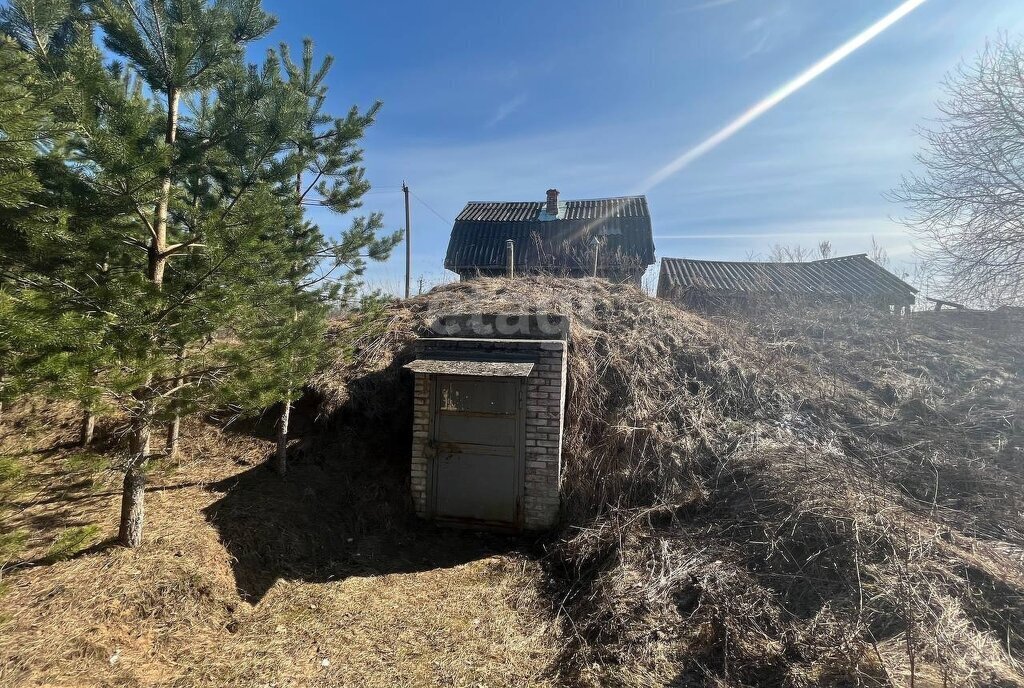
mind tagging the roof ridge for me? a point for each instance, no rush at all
(852, 255)
(769, 262)
(742, 262)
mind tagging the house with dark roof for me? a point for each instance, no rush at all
(714, 284)
(566, 238)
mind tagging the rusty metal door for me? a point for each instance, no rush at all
(478, 428)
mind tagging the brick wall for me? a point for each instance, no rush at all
(420, 437)
(545, 406)
(545, 414)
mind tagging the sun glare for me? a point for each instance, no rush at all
(779, 95)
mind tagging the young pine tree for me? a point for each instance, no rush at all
(324, 161)
(183, 253)
(171, 182)
(181, 49)
(42, 345)
(24, 125)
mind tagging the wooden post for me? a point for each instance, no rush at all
(408, 241)
(510, 262)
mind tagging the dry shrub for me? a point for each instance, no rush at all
(811, 498)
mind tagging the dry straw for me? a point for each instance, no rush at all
(807, 497)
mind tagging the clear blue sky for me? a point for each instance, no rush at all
(502, 100)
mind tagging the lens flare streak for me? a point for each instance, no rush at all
(788, 89)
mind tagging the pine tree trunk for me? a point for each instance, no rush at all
(173, 431)
(132, 507)
(174, 428)
(134, 490)
(88, 427)
(158, 246)
(281, 456)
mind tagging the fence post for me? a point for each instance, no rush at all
(510, 262)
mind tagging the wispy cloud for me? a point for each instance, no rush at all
(779, 95)
(758, 45)
(775, 25)
(778, 236)
(802, 229)
(506, 109)
(709, 5)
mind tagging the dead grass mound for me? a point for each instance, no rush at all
(830, 499)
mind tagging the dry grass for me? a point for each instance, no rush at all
(226, 592)
(831, 499)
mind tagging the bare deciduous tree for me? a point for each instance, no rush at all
(781, 253)
(967, 200)
(878, 253)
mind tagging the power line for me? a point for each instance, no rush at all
(428, 207)
(392, 189)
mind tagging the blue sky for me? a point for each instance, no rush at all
(502, 100)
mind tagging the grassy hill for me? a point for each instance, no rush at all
(829, 498)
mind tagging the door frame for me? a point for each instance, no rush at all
(519, 451)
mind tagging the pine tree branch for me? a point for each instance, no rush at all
(175, 249)
(145, 221)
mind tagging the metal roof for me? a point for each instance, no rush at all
(846, 276)
(482, 228)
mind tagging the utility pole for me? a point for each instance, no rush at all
(408, 241)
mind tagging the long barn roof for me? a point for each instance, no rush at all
(854, 276)
(482, 228)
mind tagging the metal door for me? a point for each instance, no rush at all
(477, 472)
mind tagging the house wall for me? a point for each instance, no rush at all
(545, 417)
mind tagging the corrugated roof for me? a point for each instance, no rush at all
(847, 276)
(482, 228)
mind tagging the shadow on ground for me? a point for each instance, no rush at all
(342, 510)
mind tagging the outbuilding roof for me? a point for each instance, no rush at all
(855, 276)
(482, 228)
(469, 367)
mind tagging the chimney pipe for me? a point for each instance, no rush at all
(552, 205)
